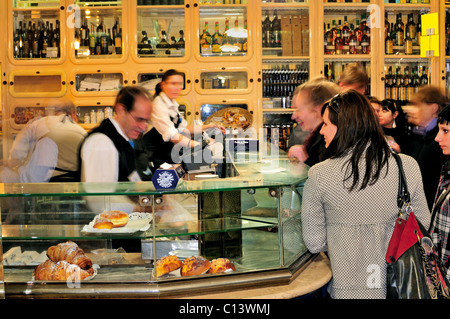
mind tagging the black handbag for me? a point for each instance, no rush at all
(414, 270)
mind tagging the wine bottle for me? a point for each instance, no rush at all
(216, 39)
(205, 40)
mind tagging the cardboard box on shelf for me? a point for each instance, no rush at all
(296, 35)
(286, 35)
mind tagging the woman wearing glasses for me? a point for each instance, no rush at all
(169, 127)
(350, 200)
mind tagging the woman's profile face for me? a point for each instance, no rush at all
(328, 129)
(173, 86)
(443, 138)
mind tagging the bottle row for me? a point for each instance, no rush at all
(160, 2)
(347, 38)
(206, 2)
(225, 42)
(402, 84)
(408, 1)
(99, 39)
(447, 33)
(37, 39)
(282, 81)
(278, 134)
(162, 47)
(401, 38)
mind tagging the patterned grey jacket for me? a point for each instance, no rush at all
(355, 227)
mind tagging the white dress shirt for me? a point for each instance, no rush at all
(163, 109)
(100, 164)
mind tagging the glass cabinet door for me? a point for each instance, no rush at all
(223, 30)
(98, 31)
(36, 30)
(106, 83)
(285, 31)
(161, 29)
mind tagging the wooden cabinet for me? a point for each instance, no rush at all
(254, 66)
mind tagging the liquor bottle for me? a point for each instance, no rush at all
(118, 41)
(226, 40)
(276, 31)
(329, 42)
(424, 77)
(389, 43)
(57, 37)
(180, 42)
(352, 42)
(387, 27)
(243, 40)
(345, 36)
(35, 42)
(44, 44)
(235, 40)
(409, 84)
(415, 80)
(400, 32)
(104, 43)
(447, 31)
(92, 41)
(418, 32)
(163, 44)
(402, 88)
(17, 45)
(267, 31)
(408, 43)
(216, 39)
(388, 84)
(394, 89)
(365, 41)
(339, 43)
(411, 27)
(205, 40)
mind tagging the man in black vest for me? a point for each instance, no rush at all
(107, 154)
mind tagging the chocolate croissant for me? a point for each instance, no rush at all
(70, 252)
(61, 270)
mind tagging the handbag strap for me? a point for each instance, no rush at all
(403, 196)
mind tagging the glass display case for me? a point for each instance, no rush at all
(251, 217)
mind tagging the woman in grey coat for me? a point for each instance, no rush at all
(350, 200)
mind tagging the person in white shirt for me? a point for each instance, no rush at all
(169, 127)
(107, 154)
(46, 149)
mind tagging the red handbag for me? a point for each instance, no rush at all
(414, 270)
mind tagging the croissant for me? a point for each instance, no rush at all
(70, 252)
(61, 270)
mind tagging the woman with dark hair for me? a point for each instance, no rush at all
(169, 127)
(440, 225)
(350, 199)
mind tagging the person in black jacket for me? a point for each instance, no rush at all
(422, 114)
(307, 101)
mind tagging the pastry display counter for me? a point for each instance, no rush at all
(250, 219)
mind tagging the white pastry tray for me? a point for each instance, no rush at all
(136, 222)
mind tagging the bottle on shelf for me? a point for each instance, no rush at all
(180, 42)
(353, 42)
(163, 45)
(365, 41)
(205, 40)
(408, 43)
(266, 32)
(235, 40)
(243, 40)
(338, 43)
(400, 33)
(216, 39)
(92, 41)
(276, 31)
(345, 36)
